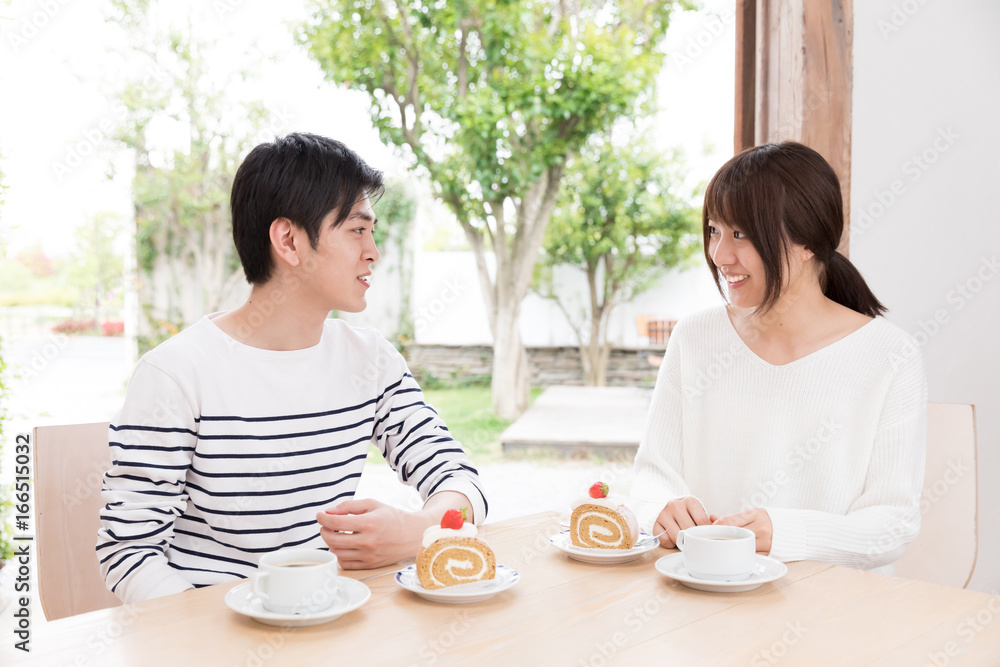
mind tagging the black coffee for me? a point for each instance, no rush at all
(296, 563)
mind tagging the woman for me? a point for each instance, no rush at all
(794, 410)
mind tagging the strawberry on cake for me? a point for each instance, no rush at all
(602, 521)
(451, 554)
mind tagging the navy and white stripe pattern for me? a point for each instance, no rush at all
(223, 453)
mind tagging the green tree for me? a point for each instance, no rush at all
(396, 210)
(623, 218)
(6, 504)
(96, 268)
(181, 191)
(6, 530)
(6, 543)
(3, 198)
(490, 98)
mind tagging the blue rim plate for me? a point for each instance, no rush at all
(562, 542)
(464, 593)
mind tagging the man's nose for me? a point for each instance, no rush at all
(371, 251)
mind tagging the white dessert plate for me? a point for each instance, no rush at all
(475, 591)
(765, 570)
(562, 542)
(351, 595)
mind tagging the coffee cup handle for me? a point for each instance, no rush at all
(679, 541)
(255, 586)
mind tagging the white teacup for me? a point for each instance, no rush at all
(297, 581)
(718, 553)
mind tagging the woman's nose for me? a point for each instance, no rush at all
(722, 253)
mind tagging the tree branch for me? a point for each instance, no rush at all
(526, 254)
(412, 96)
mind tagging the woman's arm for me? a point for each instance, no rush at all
(886, 516)
(658, 463)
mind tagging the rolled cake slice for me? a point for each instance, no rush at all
(601, 521)
(450, 556)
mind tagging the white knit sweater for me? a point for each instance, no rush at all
(832, 445)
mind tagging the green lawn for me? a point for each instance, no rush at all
(467, 412)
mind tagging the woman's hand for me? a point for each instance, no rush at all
(679, 514)
(757, 520)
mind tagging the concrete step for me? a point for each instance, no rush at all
(573, 421)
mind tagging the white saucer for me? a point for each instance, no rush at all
(351, 595)
(766, 570)
(562, 542)
(475, 591)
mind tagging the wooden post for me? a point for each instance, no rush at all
(746, 61)
(802, 79)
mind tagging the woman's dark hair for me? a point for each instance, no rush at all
(302, 177)
(782, 194)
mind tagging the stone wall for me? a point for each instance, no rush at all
(627, 367)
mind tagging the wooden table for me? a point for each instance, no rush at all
(562, 612)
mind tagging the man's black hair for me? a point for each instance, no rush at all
(302, 177)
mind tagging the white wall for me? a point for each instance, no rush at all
(448, 308)
(925, 205)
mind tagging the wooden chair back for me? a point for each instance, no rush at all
(946, 548)
(70, 462)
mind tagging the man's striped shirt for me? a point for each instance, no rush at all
(223, 452)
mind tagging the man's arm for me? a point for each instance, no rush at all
(418, 446)
(152, 443)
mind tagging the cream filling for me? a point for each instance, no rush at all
(598, 533)
(617, 504)
(435, 533)
(451, 567)
(612, 502)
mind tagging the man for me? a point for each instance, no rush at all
(248, 431)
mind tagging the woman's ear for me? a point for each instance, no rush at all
(283, 241)
(802, 253)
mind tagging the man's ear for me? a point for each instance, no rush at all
(283, 241)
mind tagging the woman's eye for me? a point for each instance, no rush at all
(738, 235)
(712, 231)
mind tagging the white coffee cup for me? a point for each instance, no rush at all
(297, 581)
(718, 553)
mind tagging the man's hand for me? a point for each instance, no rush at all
(757, 520)
(679, 514)
(366, 533)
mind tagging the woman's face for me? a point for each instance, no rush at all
(743, 270)
(738, 263)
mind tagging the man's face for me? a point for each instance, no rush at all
(336, 274)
